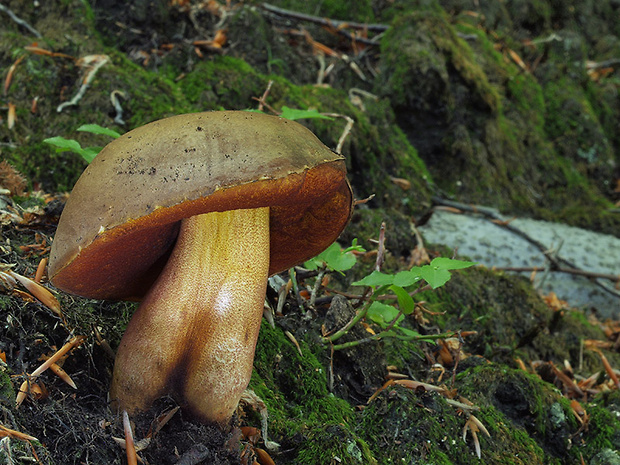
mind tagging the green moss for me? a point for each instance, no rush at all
(222, 79)
(293, 386)
(572, 123)
(426, 43)
(7, 392)
(402, 426)
(399, 424)
(511, 320)
(603, 431)
(393, 10)
(334, 444)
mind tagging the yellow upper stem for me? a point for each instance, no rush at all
(193, 336)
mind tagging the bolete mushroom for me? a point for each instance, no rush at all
(191, 214)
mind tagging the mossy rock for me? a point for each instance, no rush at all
(334, 444)
(293, 385)
(534, 408)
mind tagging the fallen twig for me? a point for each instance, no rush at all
(114, 99)
(345, 131)
(130, 449)
(575, 271)
(9, 75)
(91, 63)
(20, 21)
(334, 24)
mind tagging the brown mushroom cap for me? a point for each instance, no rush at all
(122, 218)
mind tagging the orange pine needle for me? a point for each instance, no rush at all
(4, 432)
(23, 389)
(130, 448)
(566, 380)
(11, 116)
(411, 384)
(609, 370)
(41, 293)
(62, 374)
(40, 270)
(75, 341)
(41, 51)
(9, 75)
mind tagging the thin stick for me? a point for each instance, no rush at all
(336, 24)
(293, 278)
(93, 62)
(374, 337)
(130, 448)
(317, 286)
(20, 21)
(263, 100)
(575, 271)
(381, 248)
(345, 131)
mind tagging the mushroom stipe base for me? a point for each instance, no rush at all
(193, 336)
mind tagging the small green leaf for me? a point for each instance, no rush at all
(314, 263)
(450, 264)
(376, 278)
(435, 276)
(354, 247)
(294, 114)
(63, 145)
(437, 272)
(407, 278)
(405, 301)
(381, 313)
(96, 129)
(89, 153)
(336, 259)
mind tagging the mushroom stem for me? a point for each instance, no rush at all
(194, 334)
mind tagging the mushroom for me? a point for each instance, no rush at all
(191, 214)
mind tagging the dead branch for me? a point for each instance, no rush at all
(91, 64)
(334, 24)
(578, 272)
(20, 21)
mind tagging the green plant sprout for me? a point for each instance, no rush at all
(295, 114)
(72, 145)
(334, 258)
(395, 289)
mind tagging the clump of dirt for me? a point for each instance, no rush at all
(182, 440)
